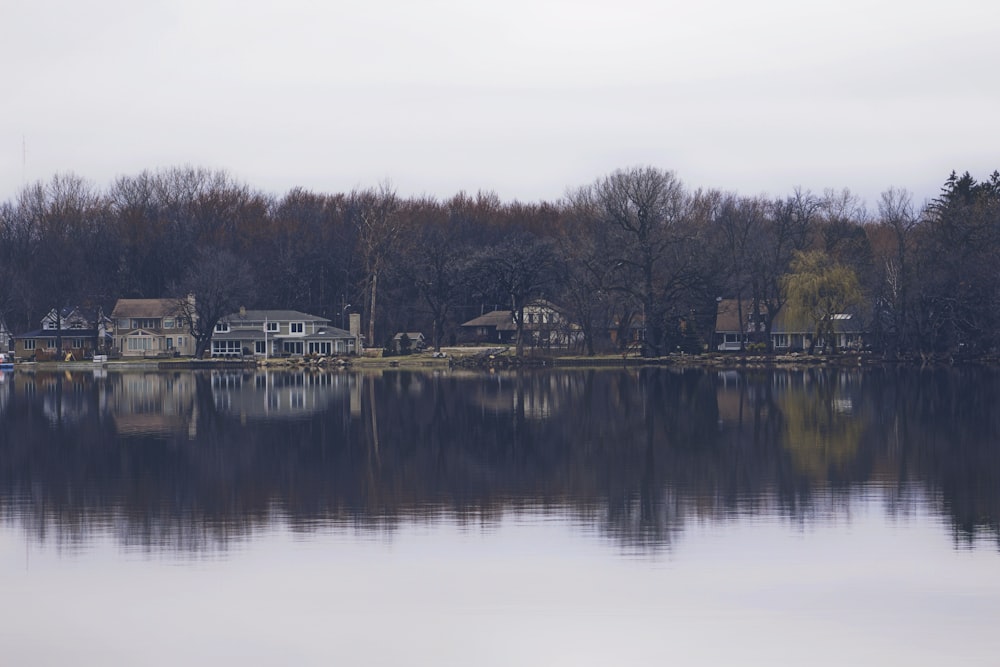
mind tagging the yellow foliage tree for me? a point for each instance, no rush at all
(817, 289)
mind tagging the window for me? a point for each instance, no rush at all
(168, 323)
(77, 343)
(170, 343)
(260, 347)
(140, 343)
(222, 327)
(297, 327)
(181, 342)
(292, 347)
(226, 348)
(272, 327)
(123, 324)
(29, 343)
(319, 347)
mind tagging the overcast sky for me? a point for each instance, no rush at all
(524, 97)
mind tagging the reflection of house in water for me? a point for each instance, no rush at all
(538, 395)
(64, 397)
(6, 388)
(277, 394)
(153, 403)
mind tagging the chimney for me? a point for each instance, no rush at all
(355, 330)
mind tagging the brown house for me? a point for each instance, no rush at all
(151, 328)
(733, 333)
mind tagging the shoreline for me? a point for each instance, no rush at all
(502, 358)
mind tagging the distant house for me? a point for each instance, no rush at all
(272, 333)
(786, 336)
(415, 342)
(70, 332)
(5, 337)
(545, 325)
(152, 328)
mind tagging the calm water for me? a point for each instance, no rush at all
(557, 518)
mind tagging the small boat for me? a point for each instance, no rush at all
(6, 362)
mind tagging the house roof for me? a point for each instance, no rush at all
(544, 304)
(326, 333)
(274, 316)
(501, 320)
(727, 315)
(412, 335)
(146, 308)
(90, 315)
(727, 320)
(64, 333)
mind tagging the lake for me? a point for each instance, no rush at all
(641, 516)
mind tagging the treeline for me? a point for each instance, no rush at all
(633, 251)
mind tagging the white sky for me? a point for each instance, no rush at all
(524, 97)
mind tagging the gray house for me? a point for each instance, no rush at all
(277, 333)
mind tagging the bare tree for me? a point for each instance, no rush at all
(378, 230)
(434, 260)
(216, 285)
(786, 231)
(897, 217)
(740, 221)
(521, 267)
(645, 208)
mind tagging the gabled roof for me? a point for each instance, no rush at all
(497, 319)
(147, 308)
(88, 315)
(503, 320)
(273, 316)
(727, 315)
(545, 305)
(412, 335)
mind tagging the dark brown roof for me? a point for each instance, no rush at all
(147, 308)
(501, 320)
(727, 320)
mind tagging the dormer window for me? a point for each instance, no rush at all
(272, 327)
(222, 327)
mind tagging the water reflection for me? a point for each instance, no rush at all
(194, 461)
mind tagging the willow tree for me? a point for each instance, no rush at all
(817, 290)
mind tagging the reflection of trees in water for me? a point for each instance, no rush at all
(941, 430)
(821, 432)
(633, 454)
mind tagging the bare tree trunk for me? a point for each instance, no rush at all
(371, 311)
